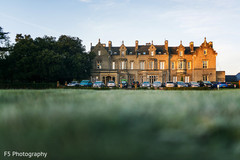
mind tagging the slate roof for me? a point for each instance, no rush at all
(144, 48)
(230, 78)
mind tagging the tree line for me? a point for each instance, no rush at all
(45, 59)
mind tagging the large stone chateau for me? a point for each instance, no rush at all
(153, 62)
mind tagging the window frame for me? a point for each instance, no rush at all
(162, 65)
(205, 66)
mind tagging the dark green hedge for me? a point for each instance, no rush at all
(20, 85)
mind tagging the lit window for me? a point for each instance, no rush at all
(180, 65)
(142, 65)
(99, 65)
(144, 53)
(181, 53)
(189, 65)
(152, 53)
(205, 64)
(173, 65)
(123, 65)
(113, 65)
(151, 65)
(99, 53)
(131, 65)
(174, 78)
(187, 79)
(162, 65)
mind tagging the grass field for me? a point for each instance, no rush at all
(122, 125)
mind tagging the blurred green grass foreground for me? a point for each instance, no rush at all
(121, 125)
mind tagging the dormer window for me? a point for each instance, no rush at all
(122, 53)
(99, 53)
(181, 53)
(152, 53)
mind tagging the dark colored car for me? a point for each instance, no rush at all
(124, 84)
(206, 84)
(86, 83)
(135, 82)
(229, 85)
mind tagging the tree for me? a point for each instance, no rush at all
(48, 60)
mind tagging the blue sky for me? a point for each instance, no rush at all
(130, 20)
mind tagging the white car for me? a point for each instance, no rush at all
(170, 84)
(73, 84)
(111, 84)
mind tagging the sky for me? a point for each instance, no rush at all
(130, 20)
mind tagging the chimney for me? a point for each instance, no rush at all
(90, 46)
(109, 45)
(211, 44)
(166, 45)
(136, 45)
(192, 46)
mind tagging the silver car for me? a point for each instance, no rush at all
(73, 84)
(157, 84)
(98, 84)
(169, 84)
(146, 84)
(194, 84)
(180, 84)
(111, 84)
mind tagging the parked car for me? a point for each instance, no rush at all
(146, 84)
(73, 84)
(222, 85)
(229, 85)
(194, 84)
(86, 83)
(111, 84)
(206, 84)
(135, 82)
(157, 84)
(180, 84)
(169, 84)
(124, 84)
(187, 84)
(98, 84)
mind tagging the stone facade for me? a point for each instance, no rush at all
(152, 62)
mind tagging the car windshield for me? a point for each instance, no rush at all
(98, 82)
(84, 81)
(157, 82)
(222, 83)
(124, 82)
(194, 82)
(180, 82)
(145, 82)
(170, 82)
(73, 82)
(206, 82)
(111, 82)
